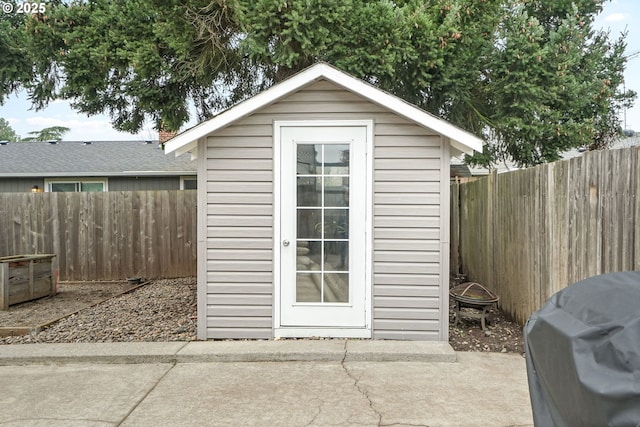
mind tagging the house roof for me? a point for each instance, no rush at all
(99, 158)
(461, 140)
(622, 142)
(459, 169)
(462, 170)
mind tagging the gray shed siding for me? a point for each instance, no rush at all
(406, 245)
(239, 195)
(239, 218)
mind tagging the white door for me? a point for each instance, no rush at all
(323, 249)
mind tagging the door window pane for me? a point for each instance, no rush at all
(336, 191)
(309, 159)
(336, 287)
(336, 255)
(309, 191)
(336, 224)
(309, 223)
(308, 287)
(308, 255)
(336, 159)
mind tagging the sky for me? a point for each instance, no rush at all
(618, 16)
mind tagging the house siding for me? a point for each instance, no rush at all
(22, 185)
(239, 219)
(144, 183)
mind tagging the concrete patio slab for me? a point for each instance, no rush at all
(74, 395)
(110, 384)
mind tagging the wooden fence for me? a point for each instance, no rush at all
(527, 234)
(104, 236)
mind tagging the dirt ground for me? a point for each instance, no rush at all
(70, 298)
(502, 335)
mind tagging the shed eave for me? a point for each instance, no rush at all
(459, 148)
(191, 147)
(187, 140)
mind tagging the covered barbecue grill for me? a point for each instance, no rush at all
(583, 354)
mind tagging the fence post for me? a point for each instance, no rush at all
(454, 258)
(4, 286)
(492, 227)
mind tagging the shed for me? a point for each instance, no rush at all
(323, 210)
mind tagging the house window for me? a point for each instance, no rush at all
(71, 186)
(188, 183)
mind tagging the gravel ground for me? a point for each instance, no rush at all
(502, 335)
(165, 310)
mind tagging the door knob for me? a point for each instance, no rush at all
(285, 243)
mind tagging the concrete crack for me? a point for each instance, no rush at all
(313, 420)
(173, 365)
(356, 384)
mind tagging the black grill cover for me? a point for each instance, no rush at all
(583, 354)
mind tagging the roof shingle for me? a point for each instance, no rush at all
(100, 158)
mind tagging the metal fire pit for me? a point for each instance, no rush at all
(474, 296)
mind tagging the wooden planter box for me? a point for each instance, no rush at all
(26, 277)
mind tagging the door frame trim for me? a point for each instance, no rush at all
(278, 329)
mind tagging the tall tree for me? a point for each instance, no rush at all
(6, 132)
(531, 76)
(15, 65)
(131, 60)
(53, 133)
(554, 83)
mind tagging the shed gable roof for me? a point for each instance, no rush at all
(461, 140)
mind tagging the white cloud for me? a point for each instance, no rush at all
(615, 17)
(83, 129)
(13, 121)
(59, 113)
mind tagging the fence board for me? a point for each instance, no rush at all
(527, 234)
(104, 236)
